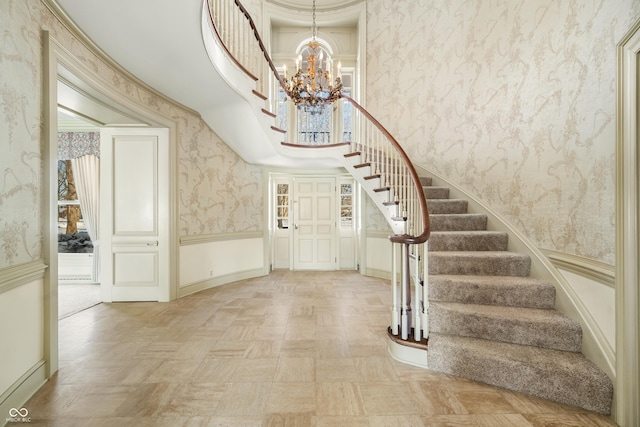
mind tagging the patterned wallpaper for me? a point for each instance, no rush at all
(227, 191)
(219, 192)
(20, 130)
(514, 101)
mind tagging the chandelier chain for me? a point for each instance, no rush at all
(314, 27)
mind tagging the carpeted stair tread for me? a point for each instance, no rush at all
(479, 263)
(492, 290)
(478, 240)
(447, 206)
(564, 377)
(458, 222)
(436, 192)
(426, 181)
(527, 326)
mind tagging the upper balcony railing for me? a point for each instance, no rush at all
(377, 148)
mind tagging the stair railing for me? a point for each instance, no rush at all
(236, 30)
(377, 149)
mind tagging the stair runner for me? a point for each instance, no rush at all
(491, 322)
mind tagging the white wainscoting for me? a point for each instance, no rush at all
(600, 302)
(592, 284)
(208, 261)
(22, 332)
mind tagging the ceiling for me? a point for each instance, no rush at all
(158, 41)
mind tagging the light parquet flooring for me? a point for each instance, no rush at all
(290, 349)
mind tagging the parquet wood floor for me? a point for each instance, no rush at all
(289, 349)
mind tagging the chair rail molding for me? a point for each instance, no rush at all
(219, 237)
(591, 269)
(18, 275)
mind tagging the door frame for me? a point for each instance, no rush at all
(59, 62)
(275, 176)
(627, 389)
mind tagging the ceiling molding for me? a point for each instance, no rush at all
(321, 5)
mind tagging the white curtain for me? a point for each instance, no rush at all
(86, 172)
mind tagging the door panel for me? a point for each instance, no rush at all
(134, 221)
(135, 187)
(314, 230)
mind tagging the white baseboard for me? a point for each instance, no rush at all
(408, 355)
(219, 281)
(21, 391)
(379, 274)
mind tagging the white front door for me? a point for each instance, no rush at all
(134, 233)
(314, 224)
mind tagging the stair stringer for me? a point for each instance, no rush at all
(595, 346)
(378, 198)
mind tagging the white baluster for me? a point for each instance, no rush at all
(406, 293)
(394, 290)
(425, 289)
(417, 331)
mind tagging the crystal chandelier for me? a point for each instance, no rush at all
(312, 90)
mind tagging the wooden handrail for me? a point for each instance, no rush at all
(396, 238)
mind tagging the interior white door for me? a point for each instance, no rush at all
(314, 224)
(134, 214)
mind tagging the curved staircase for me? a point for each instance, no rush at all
(491, 322)
(485, 318)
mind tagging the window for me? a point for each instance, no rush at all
(72, 233)
(347, 109)
(281, 106)
(346, 205)
(314, 127)
(282, 206)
